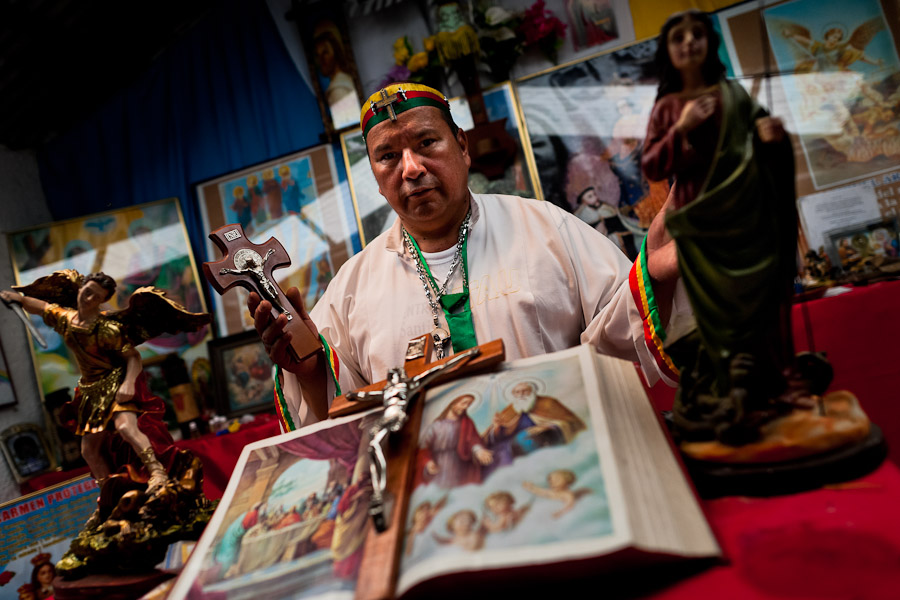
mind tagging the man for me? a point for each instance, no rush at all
(527, 423)
(536, 276)
(451, 452)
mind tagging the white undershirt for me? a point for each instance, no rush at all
(439, 263)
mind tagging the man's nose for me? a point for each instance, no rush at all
(412, 166)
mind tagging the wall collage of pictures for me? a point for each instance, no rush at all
(832, 75)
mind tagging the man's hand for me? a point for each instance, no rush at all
(11, 297)
(310, 371)
(662, 262)
(431, 468)
(125, 393)
(276, 340)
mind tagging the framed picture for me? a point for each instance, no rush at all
(242, 374)
(868, 249)
(374, 215)
(329, 53)
(137, 246)
(295, 198)
(7, 394)
(26, 450)
(586, 123)
(837, 84)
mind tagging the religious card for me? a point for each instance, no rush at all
(510, 469)
(292, 521)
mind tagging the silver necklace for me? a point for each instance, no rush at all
(440, 335)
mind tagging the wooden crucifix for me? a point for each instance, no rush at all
(381, 557)
(250, 266)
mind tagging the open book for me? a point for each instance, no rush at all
(548, 465)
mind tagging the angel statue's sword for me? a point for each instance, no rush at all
(17, 308)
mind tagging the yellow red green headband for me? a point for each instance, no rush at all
(387, 103)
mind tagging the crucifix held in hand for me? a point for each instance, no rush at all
(250, 266)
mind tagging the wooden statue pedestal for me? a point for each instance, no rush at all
(108, 587)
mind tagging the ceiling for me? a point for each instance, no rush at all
(61, 59)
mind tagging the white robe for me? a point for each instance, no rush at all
(539, 278)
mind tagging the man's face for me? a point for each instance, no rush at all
(422, 169)
(522, 390)
(91, 296)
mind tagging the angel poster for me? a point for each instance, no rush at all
(844, 94)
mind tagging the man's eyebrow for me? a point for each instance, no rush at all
(422, 133)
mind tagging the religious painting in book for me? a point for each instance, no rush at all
(292, 525)
(506, 461)
(137, 246)
(243, 374)
(587, 123)
(295, 198)
(844, 95)
(373, 213)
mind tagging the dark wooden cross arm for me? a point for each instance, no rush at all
(250, 266)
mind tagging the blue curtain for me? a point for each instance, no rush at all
(223, 97)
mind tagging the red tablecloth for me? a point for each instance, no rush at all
(857, 331)
(219, 454)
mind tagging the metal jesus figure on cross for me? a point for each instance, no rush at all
(250, 266)
(399, 391)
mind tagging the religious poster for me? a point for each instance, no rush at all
(37, 530)
(373, 213)
(587, 123)
(835, 84)
(592, 22)
(292, 521)
(137, 246)
(845, 93)
(330, 56)
(296, 199)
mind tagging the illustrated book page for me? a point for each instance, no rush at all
(547, 460)
(292, 521)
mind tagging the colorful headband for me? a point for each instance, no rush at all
(387, 103)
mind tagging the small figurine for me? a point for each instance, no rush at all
(732, 215)
(123, 438)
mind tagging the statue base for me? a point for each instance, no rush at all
(108, 587)
(715, 479)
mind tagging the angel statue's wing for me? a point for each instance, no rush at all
(150, 313)
(863, 34)
(59, 287)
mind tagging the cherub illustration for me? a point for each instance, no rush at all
(112, 398)
(502, 505)
(834, 53)
(466, 531)
(422, 517)
(559, 487)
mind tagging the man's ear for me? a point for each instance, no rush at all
(463, 141)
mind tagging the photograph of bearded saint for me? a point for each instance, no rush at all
(527, 423)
